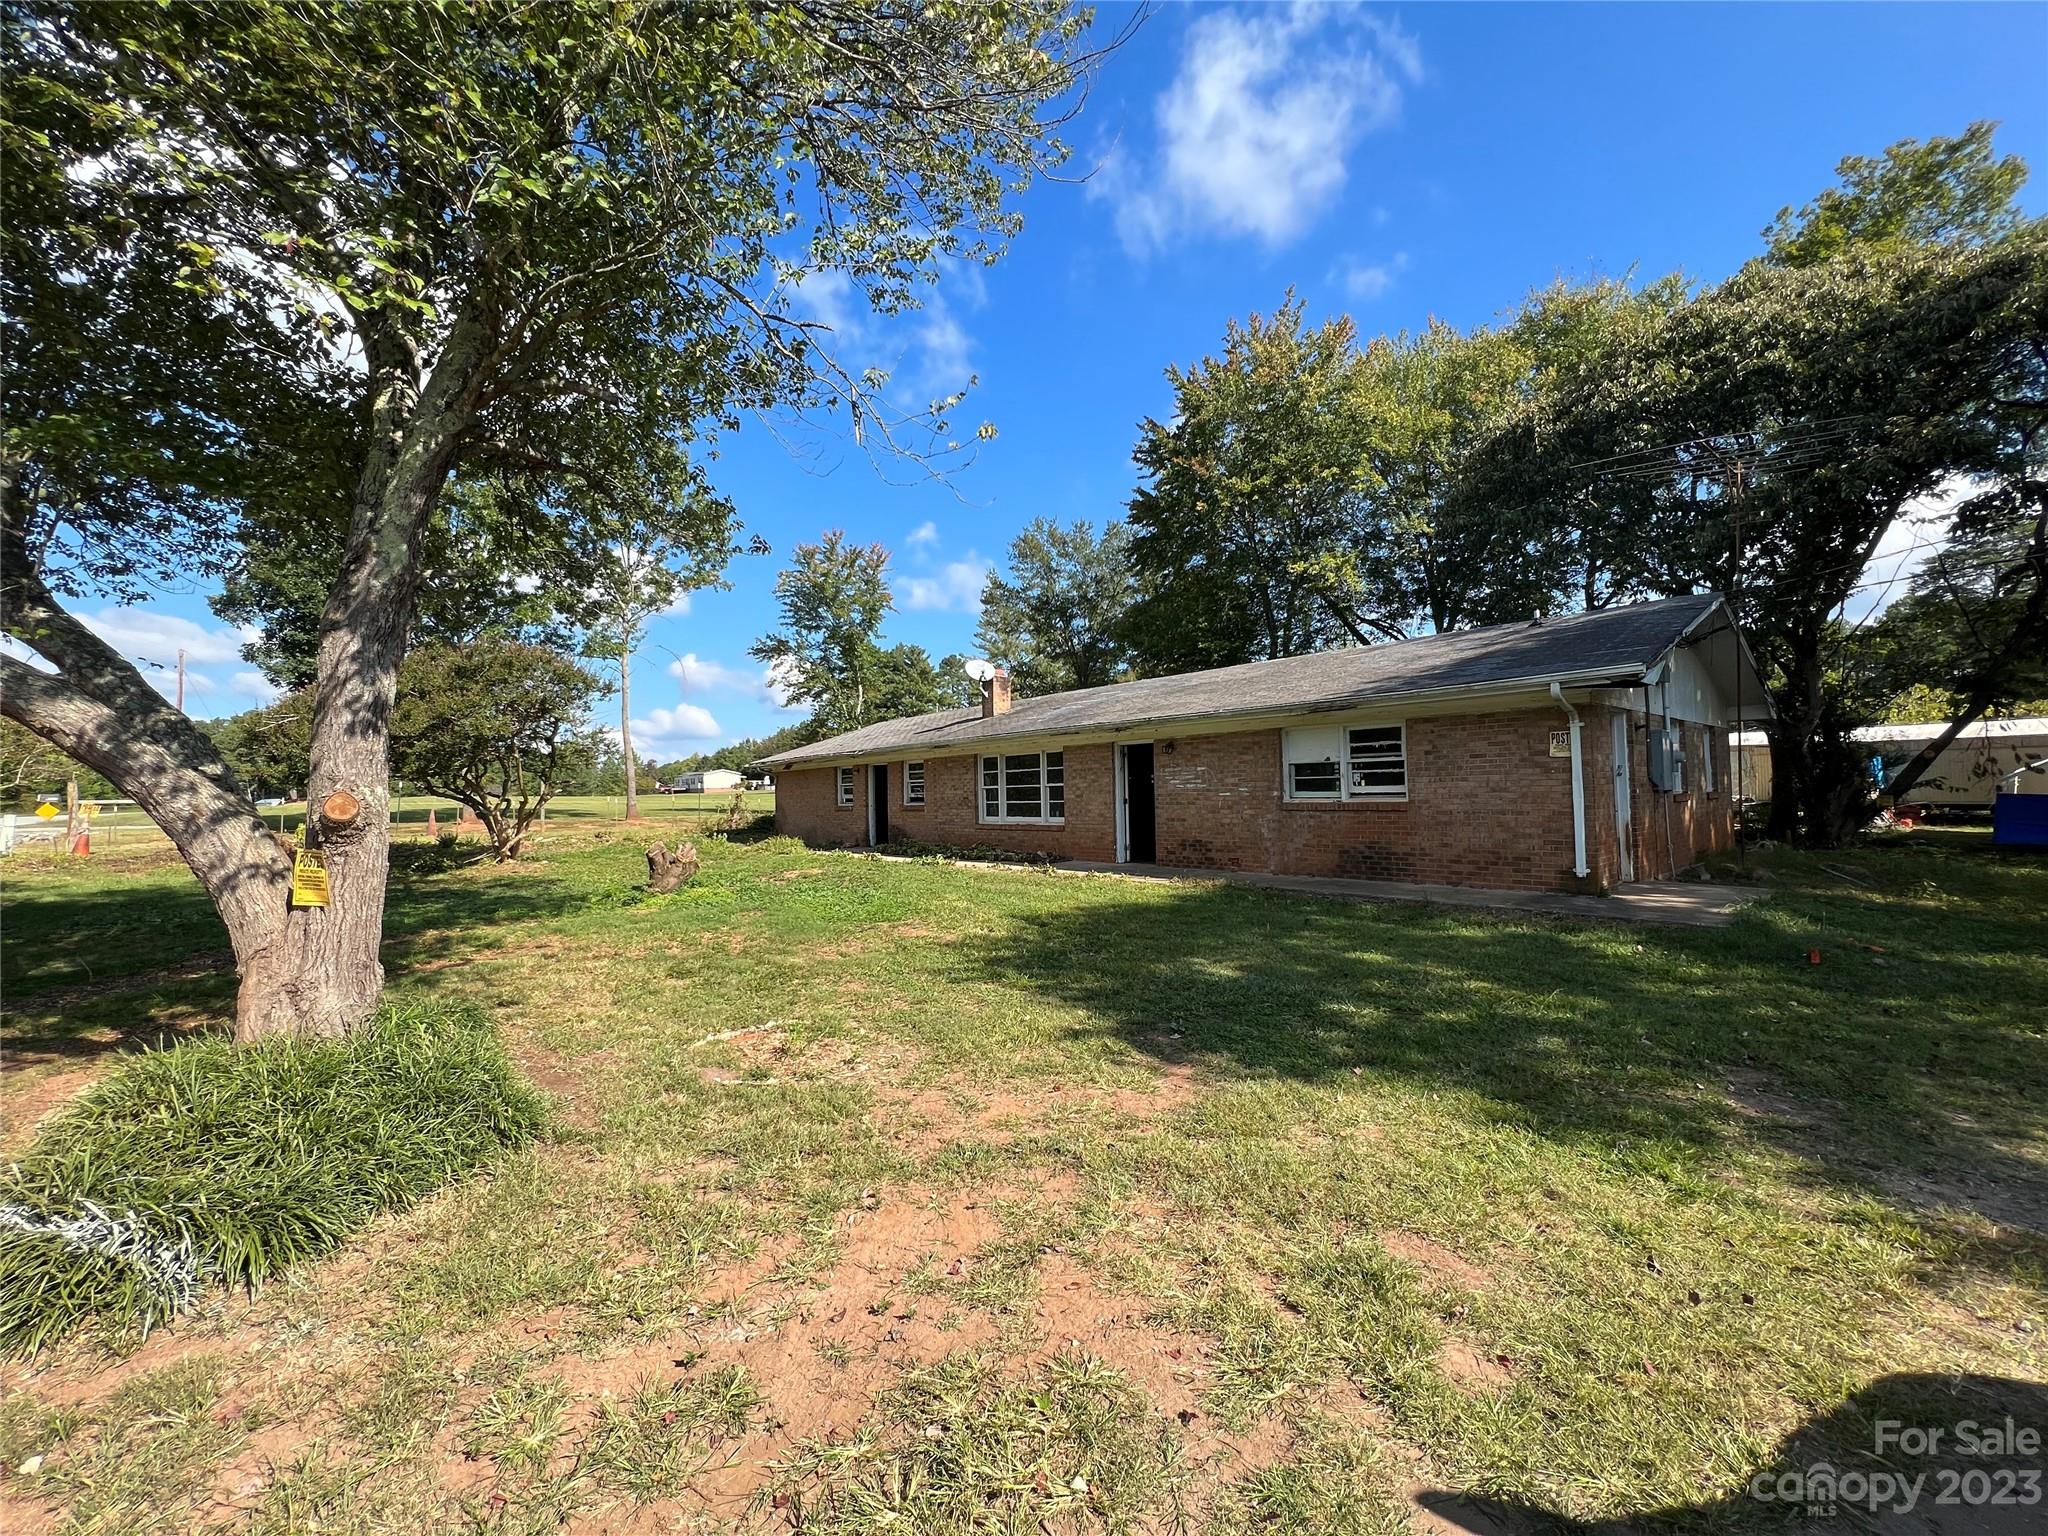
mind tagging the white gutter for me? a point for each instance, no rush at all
(1580, 867)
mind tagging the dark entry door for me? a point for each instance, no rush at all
(1140, 818)
(878, 803)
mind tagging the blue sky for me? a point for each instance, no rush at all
(1393, 163)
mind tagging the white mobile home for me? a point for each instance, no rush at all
(1965, 777)
(710, 782)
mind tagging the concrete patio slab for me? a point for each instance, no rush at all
(1670, 903)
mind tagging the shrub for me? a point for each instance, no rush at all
(209, 1163)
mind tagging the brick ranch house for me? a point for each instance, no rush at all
(1564, 753)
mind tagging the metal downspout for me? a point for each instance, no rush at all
(1580, 867)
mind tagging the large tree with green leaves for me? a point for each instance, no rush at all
(833, 598)
(545, 246)
(1763, 438)
(1240, 530)
(1307, 490)
(1055, 617)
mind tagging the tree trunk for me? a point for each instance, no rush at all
(304, 971)
(626, 730)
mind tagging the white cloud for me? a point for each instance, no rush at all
(1366, 281)
(255, 685)
(946, 362)
(927, 349)
(955, 589)
(926, 532)
(1255, 128)
(777, 679)
(829, 297)
(769, 684)
(686, 723)
(147, 635)
(696, 675)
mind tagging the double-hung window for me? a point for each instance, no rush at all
(845, 788)
(1024, 786)
(913, 783)
(1335, 762)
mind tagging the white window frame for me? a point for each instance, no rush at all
(842, 790)
(1712, 780)
(913, 773)
(1002, 769)
(1333, 744)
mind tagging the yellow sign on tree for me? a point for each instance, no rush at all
(309, 878)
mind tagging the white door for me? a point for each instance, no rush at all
(1622, 815)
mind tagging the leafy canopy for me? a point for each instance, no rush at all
(1938, 191)
(1055, 620)
(497, 726)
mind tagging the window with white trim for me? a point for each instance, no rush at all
(1314, 771)
(1335, 762)
(845, 788)
(913, 783)
(1707, 755)
(1376, 762)
(1024, 786)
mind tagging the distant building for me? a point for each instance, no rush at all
(1967, 774)
(710, 782)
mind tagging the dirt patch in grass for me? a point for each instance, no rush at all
(1435, 1260)
(821, 1346)
(1470, 1368)
(31, 1099)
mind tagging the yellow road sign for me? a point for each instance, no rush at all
(46, 810)
(309, 878)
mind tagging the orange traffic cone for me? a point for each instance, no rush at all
(433, 826)
(81, 846)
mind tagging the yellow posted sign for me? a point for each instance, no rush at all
(46, 810)
(309, 878)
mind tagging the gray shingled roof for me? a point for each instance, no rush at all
(1621, 642)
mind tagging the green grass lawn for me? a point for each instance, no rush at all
(891, 1195)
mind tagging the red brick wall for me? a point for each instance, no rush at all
(950, 814)
(1487, 806)
(804, 807)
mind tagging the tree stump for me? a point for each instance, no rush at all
(666, 871)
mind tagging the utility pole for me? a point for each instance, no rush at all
(181, 680)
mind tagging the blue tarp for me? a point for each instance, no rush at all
(2020, 821)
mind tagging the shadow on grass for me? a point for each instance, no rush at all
(1862, 1467)
(1899, 1077)
(123, 966)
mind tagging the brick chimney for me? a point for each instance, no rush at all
(995, 695)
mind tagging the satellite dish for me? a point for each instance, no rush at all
(978, 669)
